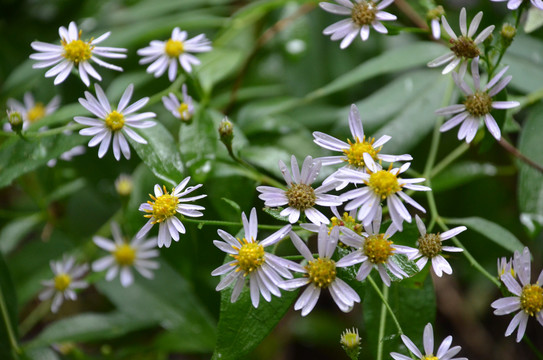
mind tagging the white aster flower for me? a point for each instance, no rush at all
(114, 124)
(514, 4)
(354, 150)
(527, 299)
(320, 273)
(374, 249)
(124, 256)
(444, 352)
(183, 110)
(73, 51)
(300, 196)
(31, 110)
(463, 47)
(380, 185)
(64, 283)
(362, 14)
(164, 207)
(68, 155)
(478, 105)
(264, 271)
(164, 55)
(430, 247)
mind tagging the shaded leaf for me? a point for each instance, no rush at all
(9, 301)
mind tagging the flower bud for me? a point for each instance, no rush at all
(124, 185)
(226, 132)
(15, 119)
(350, 342)
(507, 34)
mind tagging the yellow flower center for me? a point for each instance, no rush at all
(174, 48)
(62, 281)
(36, 113)
(321, 272)
(384, 183)
(478, 104)
(355, 154)
(429, 357)
(350, 339)
(377, 248)
(464, 47)
(164, 206)
(77, 50)
(531, 299)
(301, 196)
(347, 221)
(430, 245)
(250, 256)
(115, 121)
(184, 112)
(124, 255)
(364, 13)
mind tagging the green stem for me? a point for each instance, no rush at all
(7, 322)
(382, 324)
(34, 317)
(203, 222)
(385, 302)
(532, 347)
(455, 154)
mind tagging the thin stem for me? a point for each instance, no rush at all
(449, 159)
(7, 322)
(202, 222)
(411, 14)
(34, 317)
(385, 301)
(532, 347)
(382, 324)
(516, 153)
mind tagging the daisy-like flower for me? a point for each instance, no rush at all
(73, 51)
(183, 110)
(354, 150)
(362, 14)
(430, 248)
(300, 196)
(444, 352)
(163, 208)
(66, 280)
(125, 255)
(264, 271)
(478, 105)
(380, 185)
(31, 110)
(68, 155)
(164, 55)
(320, 273)
(463, 48)
(114, 124)
(514, 4)
(434, 16)
(527, 297)
(505, 266)
(374, 249)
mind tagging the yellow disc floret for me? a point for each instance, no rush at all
(348, 221)
(184, 111)
(124, 255)
(364, 13)
(301, 196)
(384, 183)
(429, 357)
(531, 299)
(115, 121)
(355, 154)
(77, 50)
(430, 245)
(174, 48)
(250, 256)
(163, 207)
(378, 248)
(478, 104)
(36, 113)
(62, 281)
(321, 272)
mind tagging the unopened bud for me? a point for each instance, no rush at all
(435, 13)
(507, 33)
(350, 342)
(124, 185)
(226, 131)
(15, 119)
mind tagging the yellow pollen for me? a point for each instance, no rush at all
(377, 248)
(531, 299)
(464, 47)
(364, 13)
(301, 196)
(77, 50)
(174, 48)
(250, 256)
(164, 206)
(430, 245)
(350, 339)
(115, 121)
(124, 255)
(478, 104)
(429, 357)
(36, 113)
(347, 221)
(184, 112)
(355, 154)
(62, 281)
(384, 183)
(321, 272)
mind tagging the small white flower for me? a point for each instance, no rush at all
(527, 299)
(514, 4)
(123, 256)
(33, 111)
(362, 14)
(354, 150)
(444, 352)
(300, 196)
(114, 124)
(478, 104)
(380, 185)
(68, 155)
(182, 110)
(374, 249)
(263, 270)
(463, 47)
(430, 248)
(74, 52)
(164, 207)
(164, 55)
(320, 273)
(64, 283)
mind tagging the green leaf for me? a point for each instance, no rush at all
(275, 213)
(524, 58)
(491, 231)
(41, 354)
(462, 173)
(217, 65)
(8, 307)
(16, 230)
